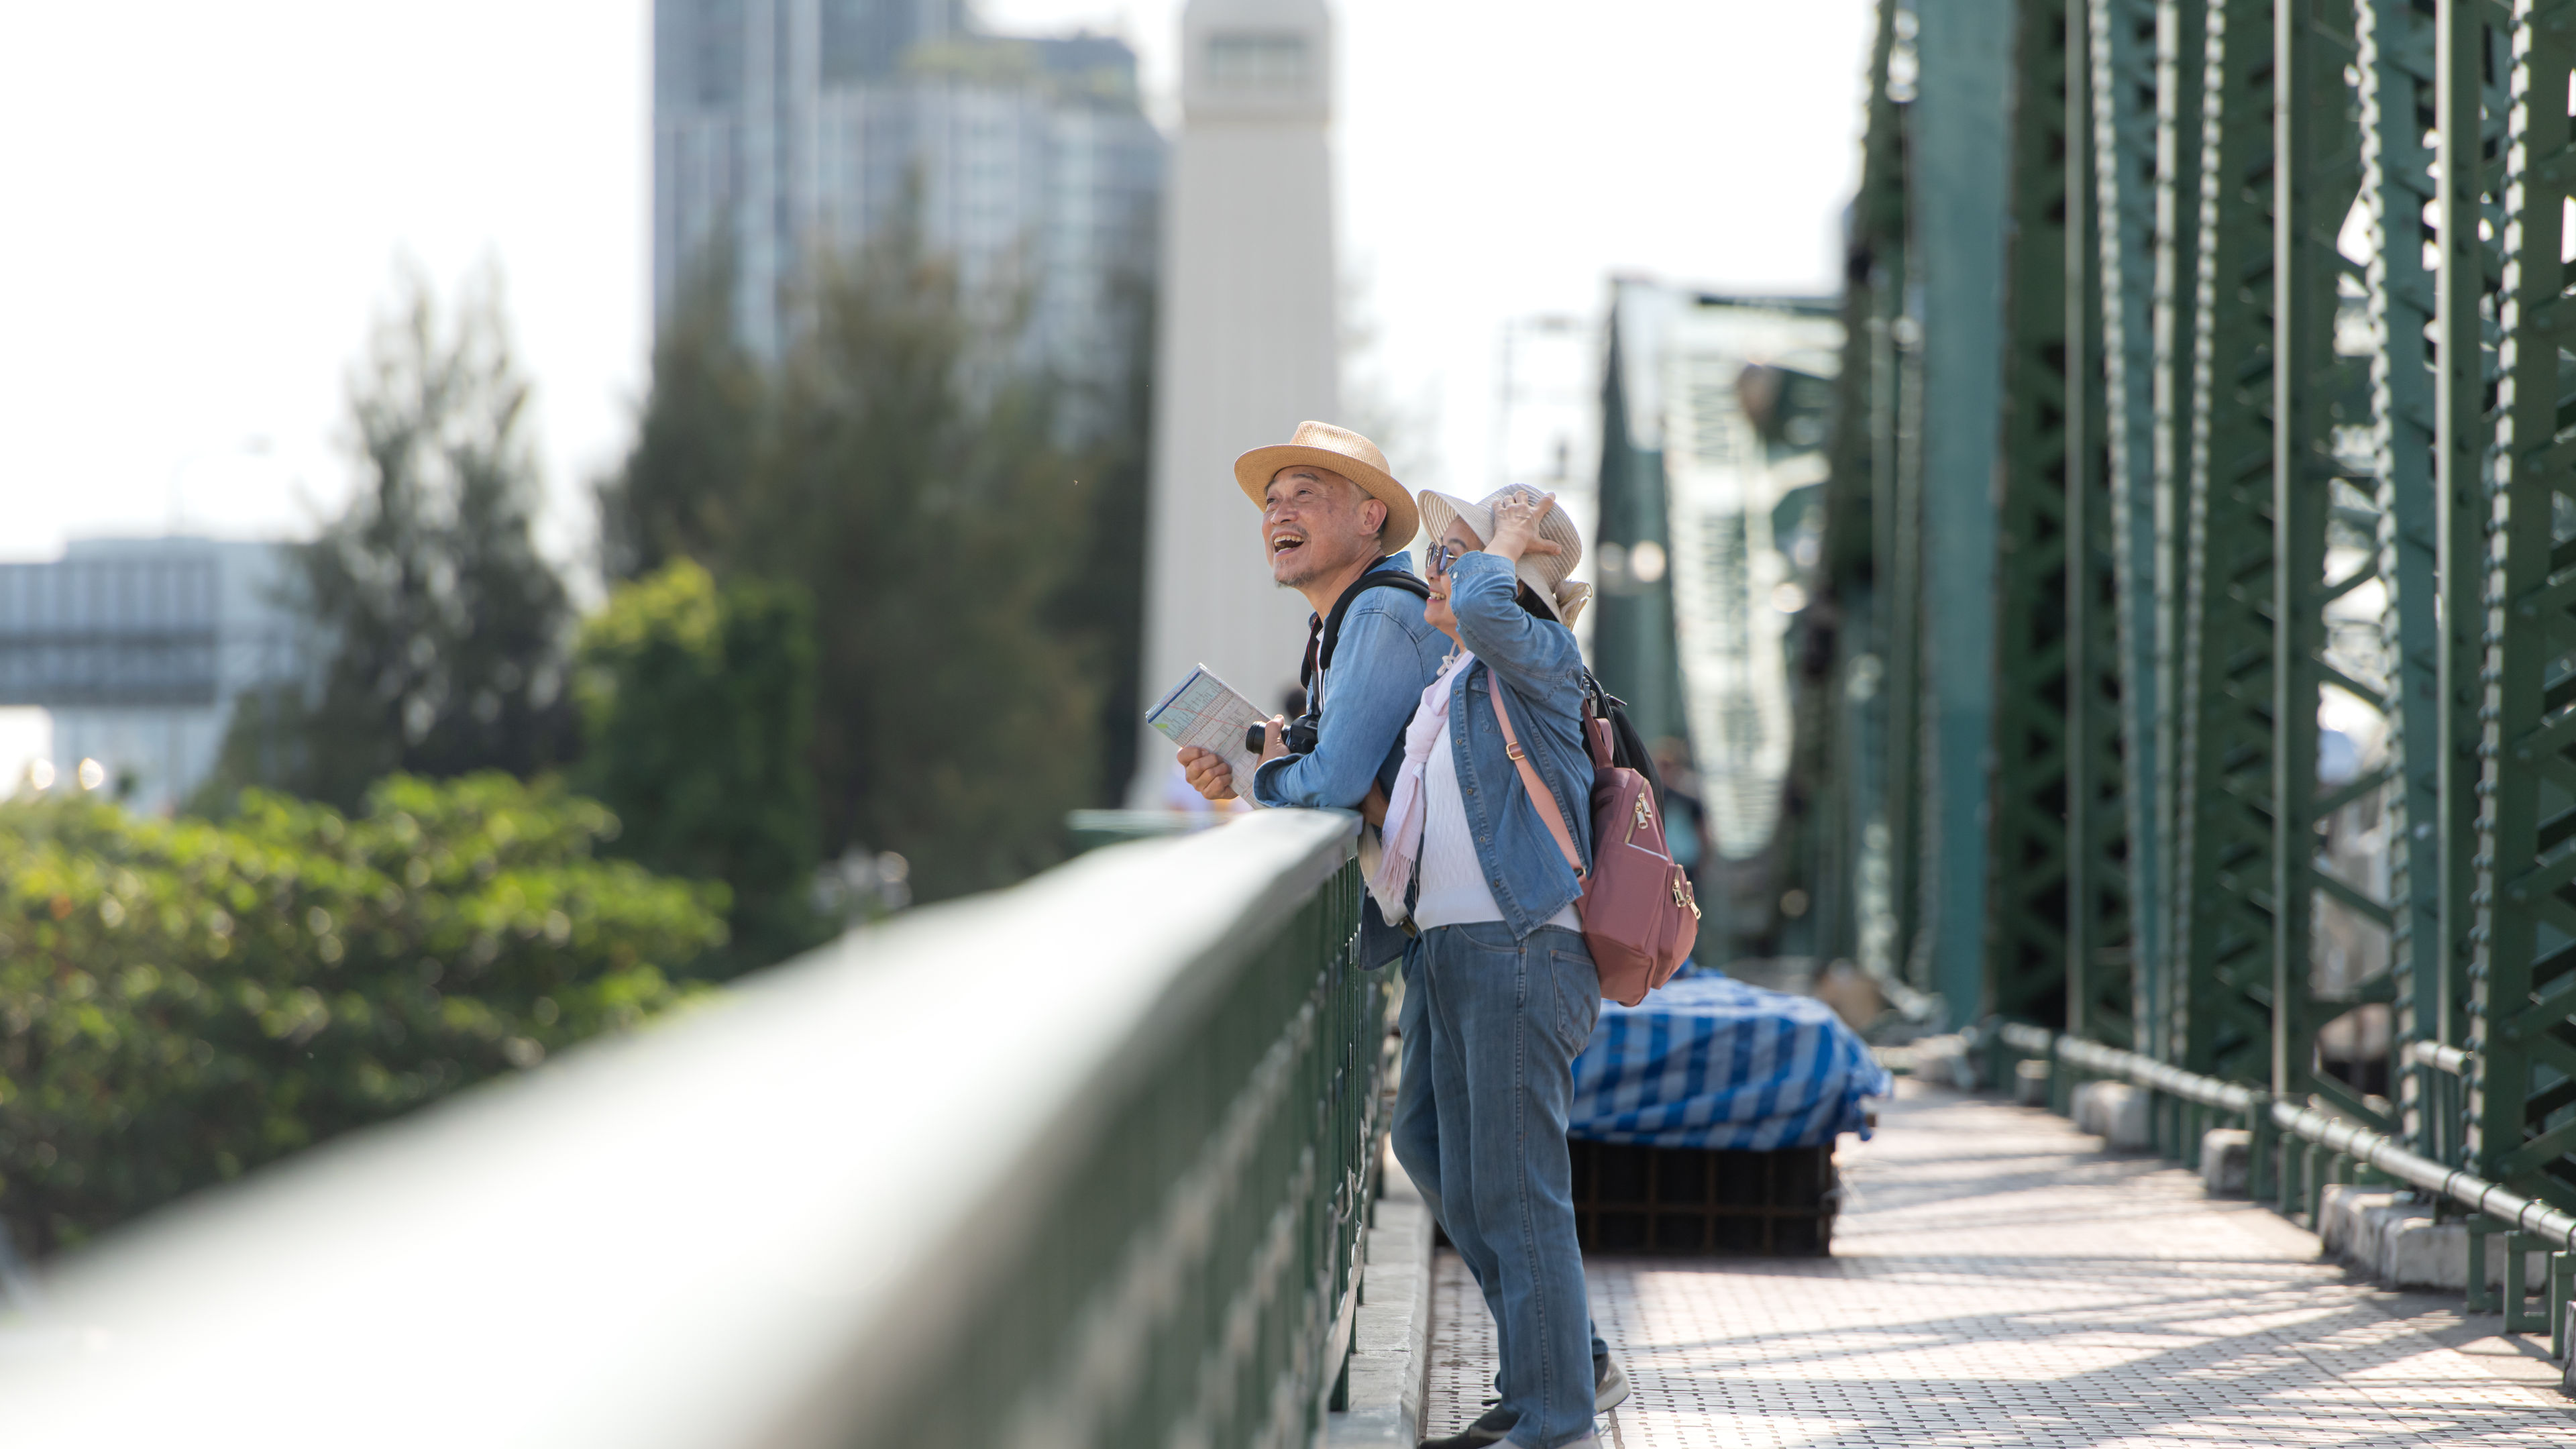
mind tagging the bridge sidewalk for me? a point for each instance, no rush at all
(1998, 1279)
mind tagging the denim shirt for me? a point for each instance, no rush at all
(1387, 654)
(1541, 671)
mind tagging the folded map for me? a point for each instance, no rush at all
(1205, 711)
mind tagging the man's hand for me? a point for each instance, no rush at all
(1516, 525)
(1208, 773)
(1274, 738)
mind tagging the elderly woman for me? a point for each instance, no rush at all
(1477, 861)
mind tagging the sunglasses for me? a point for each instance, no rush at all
(1441, 555)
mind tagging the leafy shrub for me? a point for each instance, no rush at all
(181, 1001)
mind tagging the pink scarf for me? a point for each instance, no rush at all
(1400, 839)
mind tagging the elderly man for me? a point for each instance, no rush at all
(1334, 523)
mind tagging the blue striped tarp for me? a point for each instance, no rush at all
(1712, 1062)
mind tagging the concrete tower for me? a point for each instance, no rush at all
(1248, 344)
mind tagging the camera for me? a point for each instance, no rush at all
(1299, 737)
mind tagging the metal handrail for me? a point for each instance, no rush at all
(2343, 1135)
(2451, 1059)
(2336, 1134)
(1084, 1161)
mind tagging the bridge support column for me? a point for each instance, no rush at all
(1961, 152)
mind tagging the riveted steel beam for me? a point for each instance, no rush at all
(1897, 837)
(2039, 694)
(2325, 541)
(2116, 827)
(2397, 64)
(2182, 58)
(2471, 68)
(2522, 976)
(2219, 1004)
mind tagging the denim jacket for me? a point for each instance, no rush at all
(1386, 655)
(1541, 671)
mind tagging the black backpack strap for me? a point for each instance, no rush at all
(1627, 749)
(1320, 645)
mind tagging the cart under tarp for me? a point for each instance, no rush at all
(1710, 1062)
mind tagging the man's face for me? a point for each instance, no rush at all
(1315, 521)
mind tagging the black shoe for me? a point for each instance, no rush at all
(1493, 1428)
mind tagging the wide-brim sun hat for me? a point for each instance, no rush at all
(1545, 573)
(1341, 451)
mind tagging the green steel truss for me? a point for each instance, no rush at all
(2219, 1002)
(2038, 701)
(2245, 477)
(2522, 982)
(2326, 539)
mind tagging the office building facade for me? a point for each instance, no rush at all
(785, 131)
(138, 648)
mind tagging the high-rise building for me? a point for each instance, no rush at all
(784, 130)
(1249, 345)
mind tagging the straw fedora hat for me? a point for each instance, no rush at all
(1545, 573)
(1344, 452)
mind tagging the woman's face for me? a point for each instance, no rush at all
(1464, 540)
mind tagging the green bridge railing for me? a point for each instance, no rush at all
(1084, 1162)
(2296, 1151)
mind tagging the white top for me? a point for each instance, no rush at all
(1452, 879)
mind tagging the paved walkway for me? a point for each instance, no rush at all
(1999, 1280)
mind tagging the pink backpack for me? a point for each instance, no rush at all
(1639, 915)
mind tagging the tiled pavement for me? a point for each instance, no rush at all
(1999, 1280)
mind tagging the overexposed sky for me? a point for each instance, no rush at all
(1502, 159)
(208, 203)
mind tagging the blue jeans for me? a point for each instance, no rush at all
(1415, 1132)
(1507, 1020)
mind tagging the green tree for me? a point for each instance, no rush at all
(914, 486)
(1102, 605)
(181, 1001)
(685, 481)
(444, 629)
(969, 531)
(698, 710)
